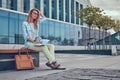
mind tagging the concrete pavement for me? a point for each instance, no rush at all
(70, 61)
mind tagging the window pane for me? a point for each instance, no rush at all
(57, 33)
(72, 35)
(26, 5)
(72, 11)
(13, 24)
(44, 29)
(63, 33)
(67, 32)
(46, 8)
(54, 9)
(11, 40)
(19, 35)
(0, 3)
(77, 8)
(37, 4)
(4, 39)
(19, 39)
(14, 4)
(4, 22)
(61, 10)
(40, 29)
(67, 10)
(21, 19)
(51, 31)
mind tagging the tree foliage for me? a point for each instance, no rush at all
(93, 16)
(117, 26)
(88, 14)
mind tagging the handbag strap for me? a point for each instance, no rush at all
(23, 49)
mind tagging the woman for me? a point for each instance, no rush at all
(30, 32)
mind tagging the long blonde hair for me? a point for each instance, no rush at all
(35, 22)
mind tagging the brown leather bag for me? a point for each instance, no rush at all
(24, 61)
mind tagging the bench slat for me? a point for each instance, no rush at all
(6, 51)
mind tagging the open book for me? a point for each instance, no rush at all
(44, 42)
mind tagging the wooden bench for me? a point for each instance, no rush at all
(7, 61)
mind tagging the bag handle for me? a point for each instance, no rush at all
(23, 49)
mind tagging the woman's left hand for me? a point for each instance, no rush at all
(40, 42)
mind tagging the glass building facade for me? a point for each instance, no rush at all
(58, 32)
(63, 10)
(62, 27)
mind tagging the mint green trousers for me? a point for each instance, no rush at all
(48, 51)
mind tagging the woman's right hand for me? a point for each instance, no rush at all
(42, 14)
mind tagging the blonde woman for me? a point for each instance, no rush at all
(30, 32)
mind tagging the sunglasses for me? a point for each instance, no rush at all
(35, 13)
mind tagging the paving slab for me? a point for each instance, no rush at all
(82, 74)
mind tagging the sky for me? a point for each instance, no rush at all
(110, 7)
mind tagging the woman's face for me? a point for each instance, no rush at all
(34, 14)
